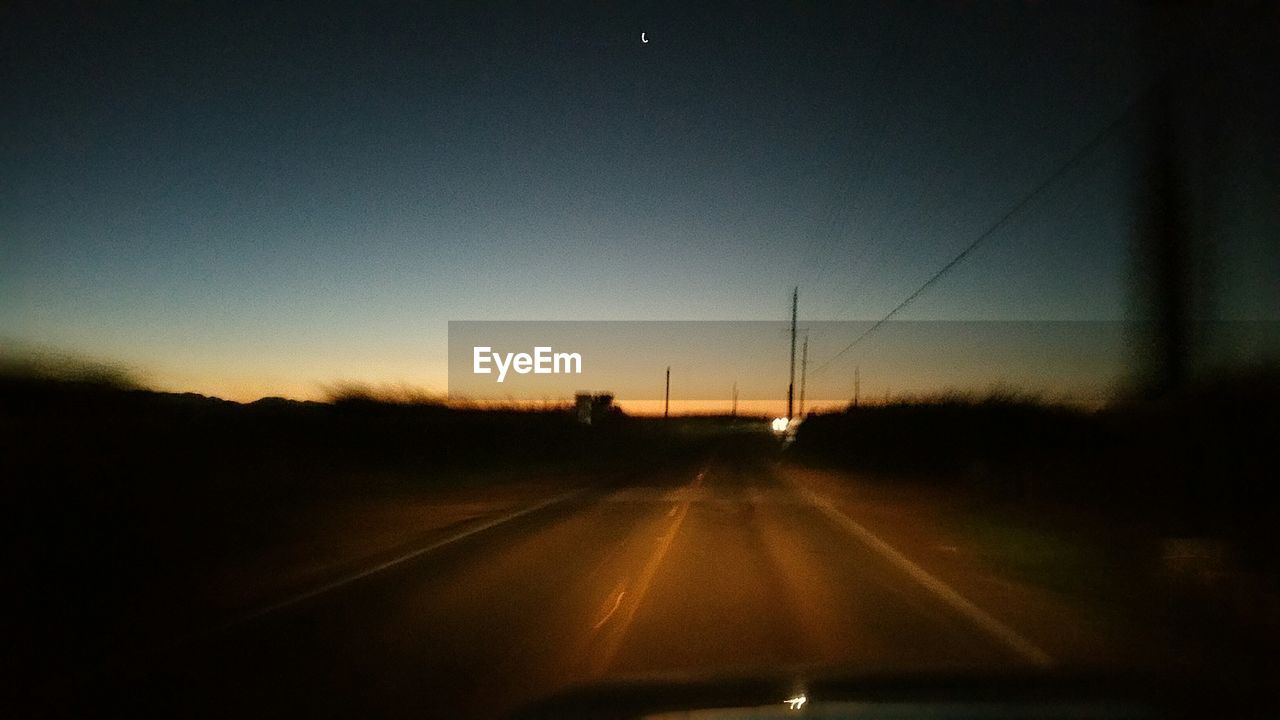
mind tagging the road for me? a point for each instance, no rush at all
(724, 568)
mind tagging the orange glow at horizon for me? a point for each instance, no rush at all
(247, 390)
(751, 408)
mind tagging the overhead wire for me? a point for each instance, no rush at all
(1061, 170)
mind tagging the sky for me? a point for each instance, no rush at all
(258, 199)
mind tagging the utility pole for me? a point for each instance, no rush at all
(804, 370)
(735, 400)
(666, 402)
(791, 384)
(857, 385)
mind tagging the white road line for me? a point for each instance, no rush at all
(387, 565)
(988, 624)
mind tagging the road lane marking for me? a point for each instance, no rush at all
(383, 566)
(976, 615)
(613, 642)
(614, 609)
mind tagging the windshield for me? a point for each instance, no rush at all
(453, 359)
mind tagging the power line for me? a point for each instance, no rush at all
(1057, 174)
(839, 224)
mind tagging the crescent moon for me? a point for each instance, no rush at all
(642, 38)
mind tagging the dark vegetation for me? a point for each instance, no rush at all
(1203, 461)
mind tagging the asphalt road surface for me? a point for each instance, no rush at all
(721, 569)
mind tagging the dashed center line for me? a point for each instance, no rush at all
(617, 602)
(612, 642)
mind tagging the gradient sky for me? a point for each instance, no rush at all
(258, 199)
